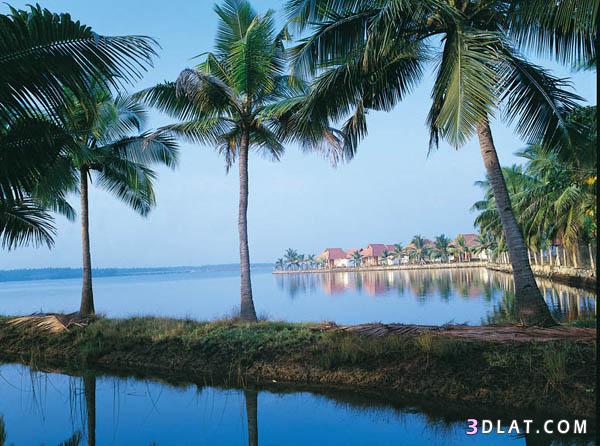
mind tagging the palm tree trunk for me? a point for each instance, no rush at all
(87, 295)
(591, 254)
(574, 255)
(247, 311)
(530, 305)
(251, 397)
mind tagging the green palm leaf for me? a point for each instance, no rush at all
(25, 222)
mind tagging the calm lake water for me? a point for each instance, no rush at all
(49, 408)
(436, 297)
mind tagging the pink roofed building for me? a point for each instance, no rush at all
(372, 253)
(335, 257)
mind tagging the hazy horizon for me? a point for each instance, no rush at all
(388, 193)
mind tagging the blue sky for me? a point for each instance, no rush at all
(388, 193)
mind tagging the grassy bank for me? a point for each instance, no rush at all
(548, 376)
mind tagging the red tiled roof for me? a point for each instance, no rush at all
(351, 251)
(333, 254)
(390, 248)
(470, 239)
(374, 250)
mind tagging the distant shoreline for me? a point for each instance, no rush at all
(34, 274)
(359, 269)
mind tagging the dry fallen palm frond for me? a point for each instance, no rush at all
(53, 323)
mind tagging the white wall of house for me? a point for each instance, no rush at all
(342, 263)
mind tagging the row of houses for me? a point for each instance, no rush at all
(372, 254)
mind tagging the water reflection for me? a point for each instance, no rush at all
(45, 408)
(567, 303)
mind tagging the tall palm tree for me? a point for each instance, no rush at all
(279, 264)
(441, 247)
(485, 243)
(386, 256)
(370, 54)
(291, 257)
(301, 261)
(398, 252)
(417, 250)
(356, 258)
(107, 148)
(46, 58)
(553, 193)
(240, 99)
(461, 248)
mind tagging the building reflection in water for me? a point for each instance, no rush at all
(566, 302)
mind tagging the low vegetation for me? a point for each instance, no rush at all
(529, 375)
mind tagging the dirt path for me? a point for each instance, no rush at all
(494, 333)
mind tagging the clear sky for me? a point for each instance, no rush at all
(388, 193)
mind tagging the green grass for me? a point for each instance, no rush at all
(521, 374)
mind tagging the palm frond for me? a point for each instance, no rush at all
(208, 130)
(164, 98)
(131, 182)
(536, 100)
(24, 222)
(207, 92)
(563, 29)
(158, 147)
(44, 55)
(463, 94)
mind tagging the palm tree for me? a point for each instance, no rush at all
(485, 243)
(553, 194)
(461, 248)
(239, 99)
(46, 58)
(417, 250)
(279, 264)
(369, 55)
(105, 148)
(398, 252)
(441, 247)
(356, 258)
(291, 257)
(386, 256)
(310, 259)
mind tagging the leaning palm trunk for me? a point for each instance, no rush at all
(247, 311)
(591, 254)
(530, 305)
(87, 296)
